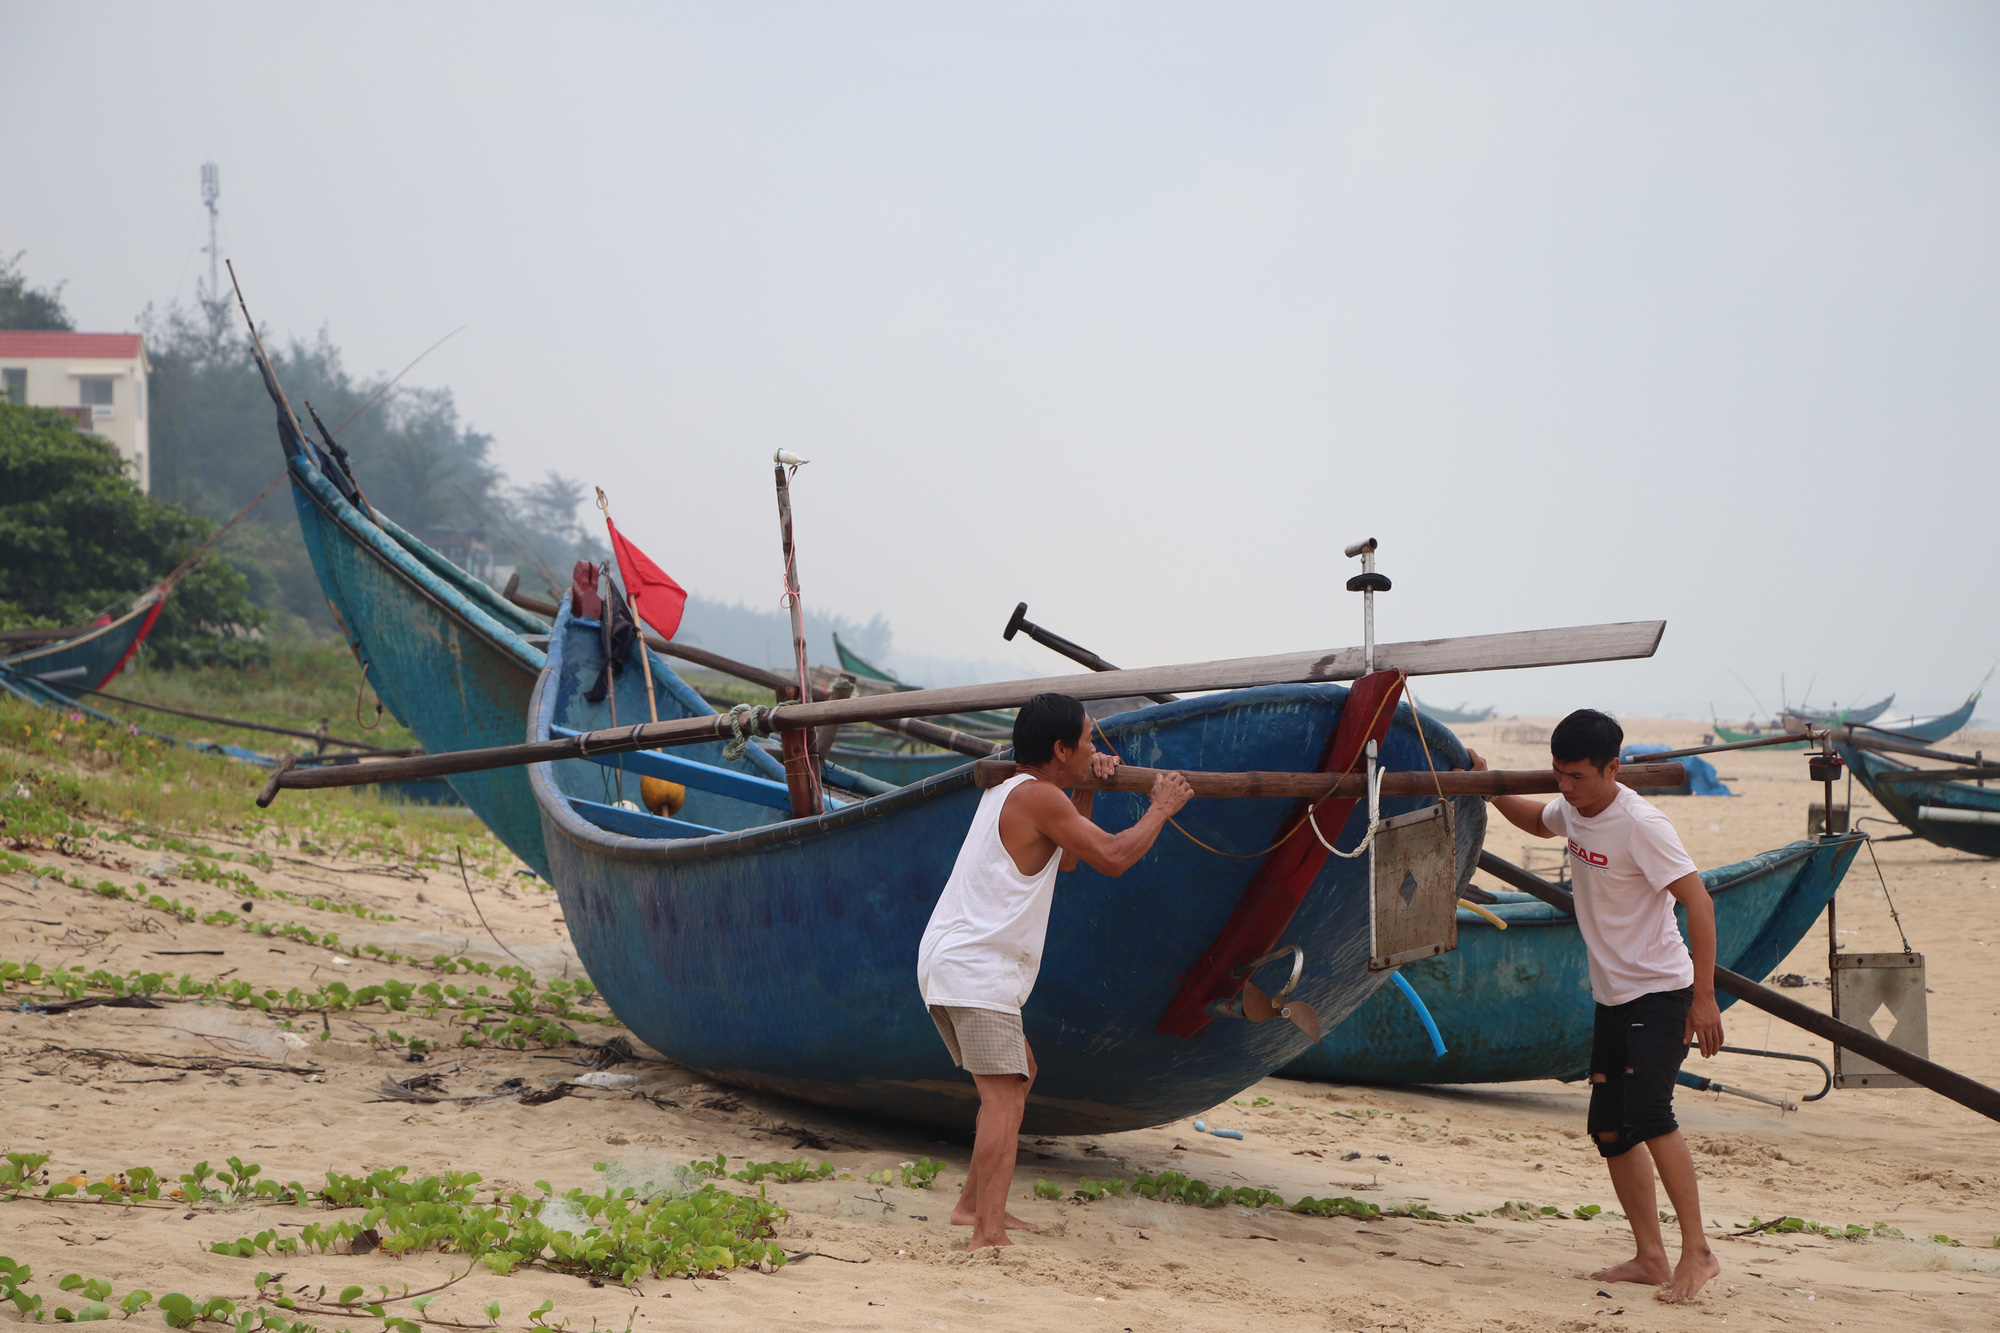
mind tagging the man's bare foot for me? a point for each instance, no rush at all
(1690, 1276)
(980, 1243)
(1653, 1272)
(961, 1217)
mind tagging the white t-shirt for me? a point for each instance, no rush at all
(1621, 861)
(983, 947)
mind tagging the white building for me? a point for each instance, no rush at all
(97, 378)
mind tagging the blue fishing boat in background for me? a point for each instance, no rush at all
(1461, 716)
(779, 953)
(1515, 1004)
(897, 767)
(56, 672)
(892, 759)
(1929, 730)
(1960, 815)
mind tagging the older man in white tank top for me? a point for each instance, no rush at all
(983, 948)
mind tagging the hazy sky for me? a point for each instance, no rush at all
(1139, 312)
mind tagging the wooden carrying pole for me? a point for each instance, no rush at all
(1483, 652)
(1967, 1092)
(945, 738)
(1313, 786)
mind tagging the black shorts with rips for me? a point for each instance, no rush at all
(1636, 1051)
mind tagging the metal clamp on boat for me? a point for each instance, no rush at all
(1254, 1006)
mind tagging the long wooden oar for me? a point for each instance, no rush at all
(1312, 786)
(945, 738)
(1967, 1092)
(1484, 652)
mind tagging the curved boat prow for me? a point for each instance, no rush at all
(53, 672)
(448, 656)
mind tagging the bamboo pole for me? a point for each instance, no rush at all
(1314, 786)
(1487, 652)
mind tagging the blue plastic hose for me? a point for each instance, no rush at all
(1417, 1003)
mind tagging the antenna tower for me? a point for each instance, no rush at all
(211, 190)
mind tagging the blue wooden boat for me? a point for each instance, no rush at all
(1826, 717)
(1929, 730)
(55, 671)
(1515, 1004)
(448, 656)
(1460, 716)
(1960, 815)
(780, 953)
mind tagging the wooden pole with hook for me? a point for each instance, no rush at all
(801, 764)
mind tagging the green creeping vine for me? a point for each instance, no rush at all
(526, 1013)
(625, 1236)
(757, 1172)
(1174, 1187)
(1881, 1230)
(918, 1175)
(678, 1227)
(21, 1172)
(181, 1311)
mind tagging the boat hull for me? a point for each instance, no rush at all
(1905, 801)
(1515, 1004)
(783, 957)
(54, 671)
(1929, 731)
(443, 653)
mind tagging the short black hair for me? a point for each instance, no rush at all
(1043, 721)
(1587, 734)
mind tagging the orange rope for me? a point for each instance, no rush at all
(1300, 823)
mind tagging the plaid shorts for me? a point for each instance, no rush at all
(983, 1041)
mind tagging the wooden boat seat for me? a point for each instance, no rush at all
(692, 773)
(636, 823)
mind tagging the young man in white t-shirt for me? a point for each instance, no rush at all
(1653, 995)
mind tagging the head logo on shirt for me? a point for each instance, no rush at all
(1586, 856)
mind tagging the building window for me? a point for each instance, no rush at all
(14, 385)
(139, 399)
(95, 390)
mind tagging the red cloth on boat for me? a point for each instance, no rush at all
(655, 597)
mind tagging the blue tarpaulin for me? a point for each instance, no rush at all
(1702, 780)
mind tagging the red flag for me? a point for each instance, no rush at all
(655, 597)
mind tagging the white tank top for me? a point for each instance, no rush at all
(983, 947)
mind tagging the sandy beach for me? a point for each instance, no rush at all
(307, 1097)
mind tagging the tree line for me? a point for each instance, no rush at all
(76, 535)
